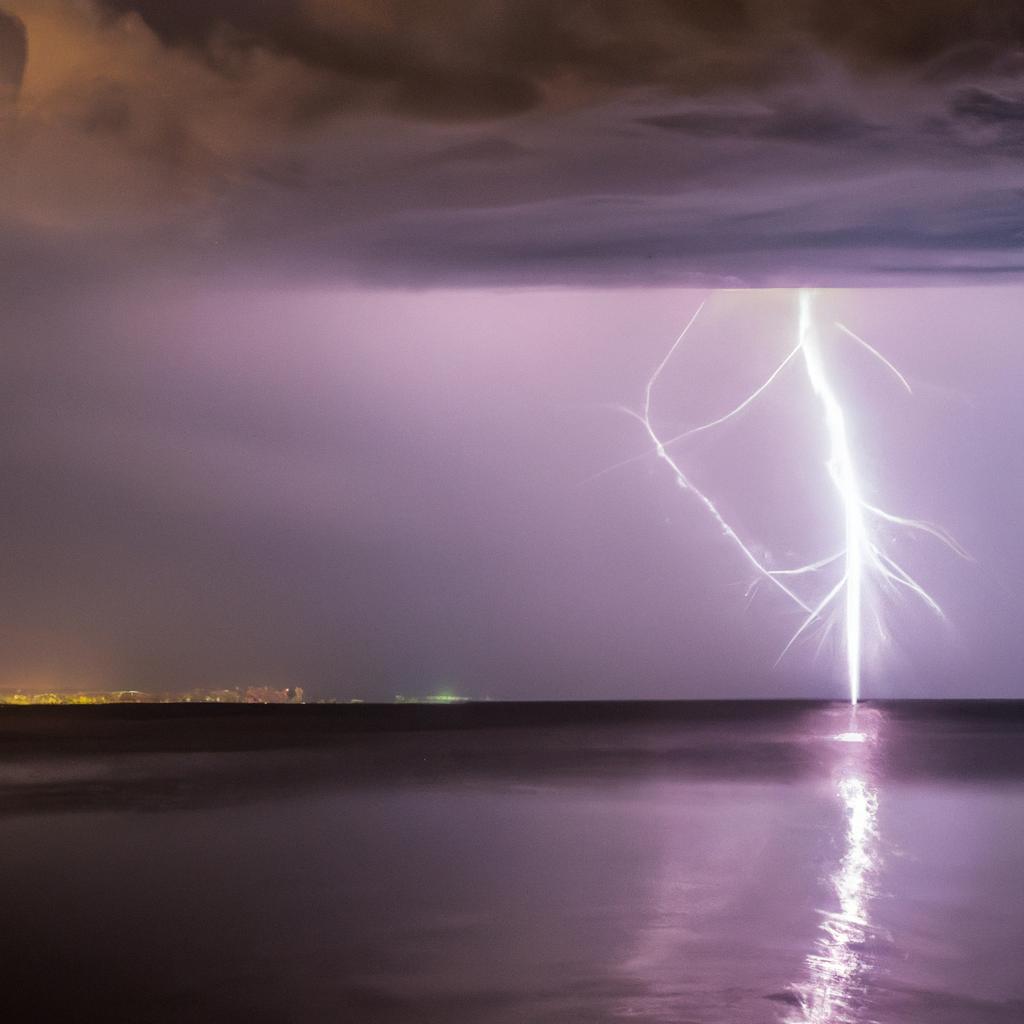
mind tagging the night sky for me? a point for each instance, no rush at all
(317, 315)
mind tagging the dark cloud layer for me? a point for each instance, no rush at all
(989, 107)
(740, 142)
(453, 48)
(13, 52)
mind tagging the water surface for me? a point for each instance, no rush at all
(786, 863)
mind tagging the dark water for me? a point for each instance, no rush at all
(495, 865)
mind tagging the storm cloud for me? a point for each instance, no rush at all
(454, 142)
(13, 52)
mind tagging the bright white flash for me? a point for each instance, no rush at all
(862, 571)
(841, 469)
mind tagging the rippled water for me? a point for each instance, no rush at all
(800, 865)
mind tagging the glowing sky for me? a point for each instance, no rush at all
(316, 315)
(393, 490)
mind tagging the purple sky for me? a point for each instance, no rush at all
(316, 316)
(386, 492)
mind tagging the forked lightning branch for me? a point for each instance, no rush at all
(844, 589)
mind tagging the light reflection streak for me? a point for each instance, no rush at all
(838, 965)
(712, 942)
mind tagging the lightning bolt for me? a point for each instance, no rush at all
(866, 569)
(683, 481)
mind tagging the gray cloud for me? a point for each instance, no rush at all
(987, 106)
(445, 52)
(820, 125)
(526, 142)
(459, 59)
(13, 53)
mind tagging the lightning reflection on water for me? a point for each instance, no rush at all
(838, 965)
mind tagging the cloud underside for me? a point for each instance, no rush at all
(720, 142)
